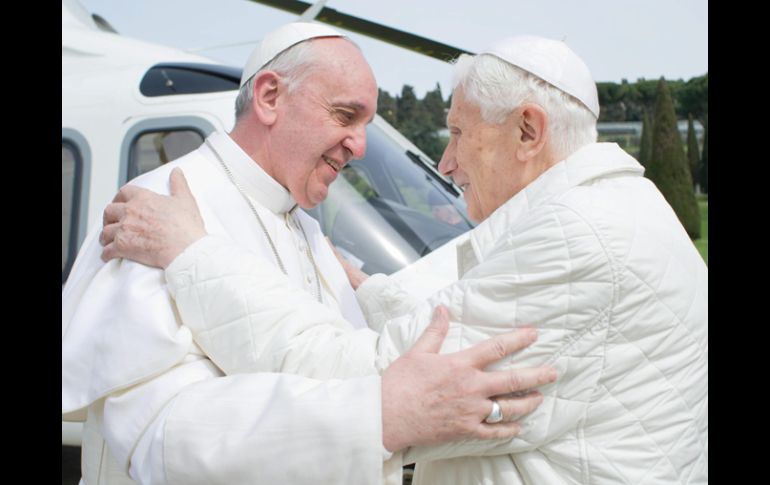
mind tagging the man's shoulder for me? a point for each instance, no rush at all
(547, 234)
(604, 204)
(628, 216)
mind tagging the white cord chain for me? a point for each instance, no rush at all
(264, 229)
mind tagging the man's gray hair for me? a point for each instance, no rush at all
(294, 64)
(498, 88)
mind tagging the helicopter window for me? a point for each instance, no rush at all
(151, 149)
(179, 78)
(71, 169)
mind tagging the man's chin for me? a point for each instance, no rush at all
(313, 201)
(308, 205)
(470, 209)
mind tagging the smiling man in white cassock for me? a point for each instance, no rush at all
(158, 409)
(573, 239)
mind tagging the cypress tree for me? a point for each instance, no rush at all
(433, 102)
(645, 145)
(414, 122)
(668, 167)
(703, 179)
(406, 105)
(693, 155)
(386, 107)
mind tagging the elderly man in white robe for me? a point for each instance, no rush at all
(158, 408)
(573, 238)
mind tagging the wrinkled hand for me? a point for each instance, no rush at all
(150, 228)
(430, 398)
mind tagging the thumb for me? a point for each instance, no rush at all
(178, 184)
(433, 336)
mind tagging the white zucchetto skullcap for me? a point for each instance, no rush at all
(281, 39)
(553, 62)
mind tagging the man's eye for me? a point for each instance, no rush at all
(345, 115)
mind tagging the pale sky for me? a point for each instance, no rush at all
(616, 38)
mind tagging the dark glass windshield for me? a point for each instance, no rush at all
(389, 209)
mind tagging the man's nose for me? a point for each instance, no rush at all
(447, 165)
(356, 143)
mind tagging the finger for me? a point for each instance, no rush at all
(499, 346)
(515, 407)
(515, 380)
(114, 212)
(127, 192)
(178, 184)
(109, 252)
(108, 233)
(433, 336)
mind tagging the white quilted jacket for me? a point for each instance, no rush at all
(592, 255)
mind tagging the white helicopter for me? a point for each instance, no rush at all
(129, 106)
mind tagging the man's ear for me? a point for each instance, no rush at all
(533, 123)
(267, 89)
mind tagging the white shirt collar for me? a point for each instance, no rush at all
(250, 176)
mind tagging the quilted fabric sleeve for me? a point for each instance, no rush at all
(549, 271)
(246, 318)
(382, 299)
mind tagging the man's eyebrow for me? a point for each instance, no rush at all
(356, 106)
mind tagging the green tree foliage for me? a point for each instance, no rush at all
(704, 161)
(415, 123)
(644, 94)
(694, 97)
(693, 154)
(625, 101)
(386, 106)
(407, 105)
(611, 101)
(628, 101)
(667, 166)
(434, 105)
(418, 120)
(645, 145)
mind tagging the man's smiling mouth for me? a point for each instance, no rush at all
(333, 164)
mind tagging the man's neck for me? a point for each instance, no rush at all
(536, 167)
(251, 144)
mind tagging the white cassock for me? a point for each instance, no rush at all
(166, 412)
